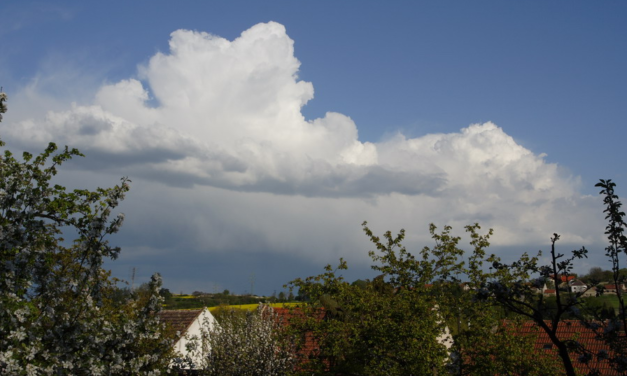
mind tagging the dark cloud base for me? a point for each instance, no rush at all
(214, 272)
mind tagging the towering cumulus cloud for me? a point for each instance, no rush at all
(227, 114)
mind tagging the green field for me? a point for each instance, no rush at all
(185, 301)
(610, 299)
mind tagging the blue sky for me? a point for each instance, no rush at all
(239, 170)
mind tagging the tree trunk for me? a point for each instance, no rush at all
(568, 364)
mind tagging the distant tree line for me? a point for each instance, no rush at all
(597, 275)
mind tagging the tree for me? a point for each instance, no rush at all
(614, 333)
(346, 329)
(247, 343)
(398, 323)
(510, 287)
(597, 275)
(3, 106)
(594, 276)
(57, 312)
(482, 342)
(489, 346)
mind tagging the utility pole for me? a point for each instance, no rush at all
(133, 279)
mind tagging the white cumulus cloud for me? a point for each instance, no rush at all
(226, 115)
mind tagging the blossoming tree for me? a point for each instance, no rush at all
(56, 312)
(248, 343)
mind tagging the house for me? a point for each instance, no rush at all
(591, 292)
(576, 286)
(549, 292)
(539, 290)
(187, 326)
(612, 288)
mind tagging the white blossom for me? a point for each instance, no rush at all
(53, 322)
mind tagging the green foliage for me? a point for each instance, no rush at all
(366, 331)
(398, 323)
(495, 347)
(404, 270)
(599, 308)
(597, 275)
(615, 231)
(282, 297)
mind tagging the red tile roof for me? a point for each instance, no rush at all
(613, 287)
(309, 346)
(563, 278)
(573, 330)
(180, 319)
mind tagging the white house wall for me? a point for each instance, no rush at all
(203, 323)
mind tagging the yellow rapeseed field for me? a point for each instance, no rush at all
(252, 307)
(184, 296)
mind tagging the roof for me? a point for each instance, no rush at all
(179, 319)
(562, 277)
(309, 345)
(613, 287)
(575, 330)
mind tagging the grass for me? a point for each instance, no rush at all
(610, 299)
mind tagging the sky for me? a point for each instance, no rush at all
(259, 136)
